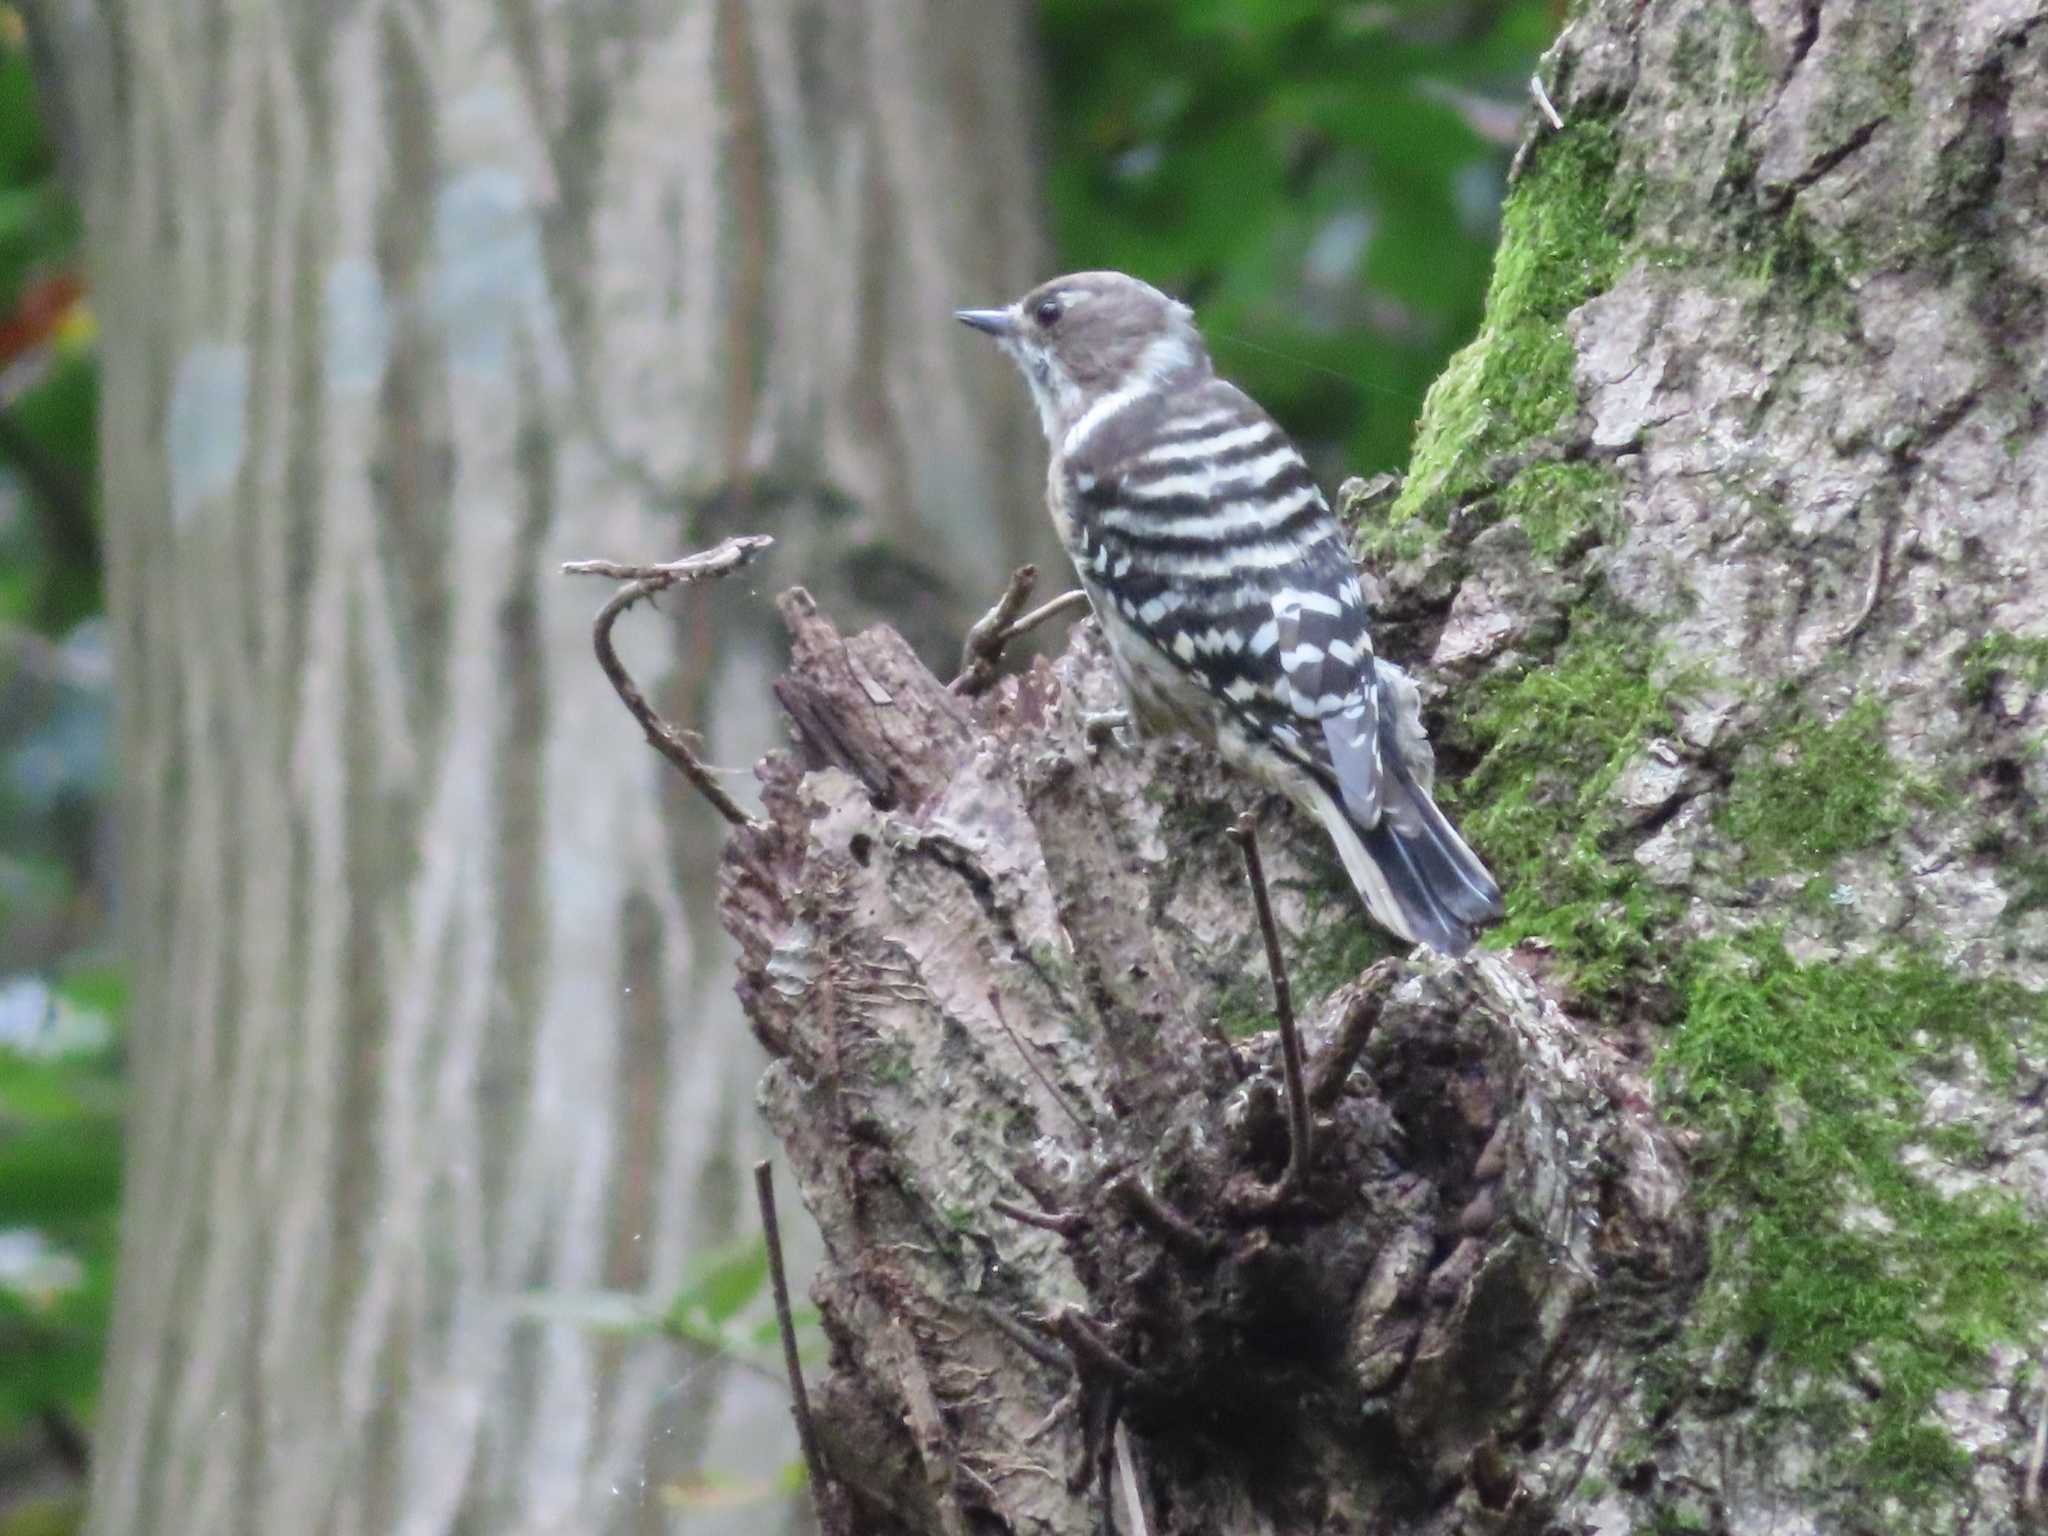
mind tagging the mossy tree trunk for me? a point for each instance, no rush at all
(1720, 1202)
(404, 305)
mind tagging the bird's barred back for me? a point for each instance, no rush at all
(1191, 513)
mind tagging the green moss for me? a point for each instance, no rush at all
(2023, 870)
(2000, 655)
(1378, 540)
(1720, 51)
(1564, 230)
(1245, 1006)
(1556, 503)
(890, 1063)
(1957, 1143)
(1679, 1520)
(1803, 268)
(1338, 942)
(1750, 72)
(1811, 792)
(1556, 738)
(1805, 1080)
(2018, 851)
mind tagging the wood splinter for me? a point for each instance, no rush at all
(643, 581)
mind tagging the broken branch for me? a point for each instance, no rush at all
(1066, 1223)
(1326, 1083)
(643, 581)
(994, 630)
(1161, 1219)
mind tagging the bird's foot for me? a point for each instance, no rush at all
(1100, 726)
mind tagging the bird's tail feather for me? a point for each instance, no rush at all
(1415, 874)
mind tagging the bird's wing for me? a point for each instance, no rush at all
(1204, 528)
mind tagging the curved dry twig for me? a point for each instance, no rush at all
(643, 581)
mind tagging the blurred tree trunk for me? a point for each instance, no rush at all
(403, 305)
(1719, 1203)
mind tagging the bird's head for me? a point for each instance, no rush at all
(1081, 338)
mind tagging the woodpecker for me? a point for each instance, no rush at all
(1221, 581)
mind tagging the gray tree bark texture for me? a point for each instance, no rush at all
(404, 305)
(1717, 1198)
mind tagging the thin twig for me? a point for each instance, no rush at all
(1070, 1402)
(995, 1003)
(1066, 1223)
(1333, 1067)
(1543, 104)
(1022, 1337)
(1067, 602)
(1299, 1124)
(799, 1400)
(1092, 1350)
(1167, 1224)
(643, 581)
(724, 556)
(993, 631)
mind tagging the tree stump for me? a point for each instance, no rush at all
(999, 963)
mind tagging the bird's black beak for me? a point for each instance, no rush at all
(996, 322)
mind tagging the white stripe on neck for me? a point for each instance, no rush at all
(1163, 357)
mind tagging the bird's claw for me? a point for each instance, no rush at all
(1100, 726)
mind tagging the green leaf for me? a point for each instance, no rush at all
(723, 1282)
(767, 1334)
(618, 1313)
(58, 1172)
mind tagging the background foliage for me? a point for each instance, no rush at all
(1321, 180)
(59, 998)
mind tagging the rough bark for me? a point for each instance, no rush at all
(404, 304)
(1720, 1200)
(991, 961)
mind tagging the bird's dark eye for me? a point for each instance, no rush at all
(1048, 312)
